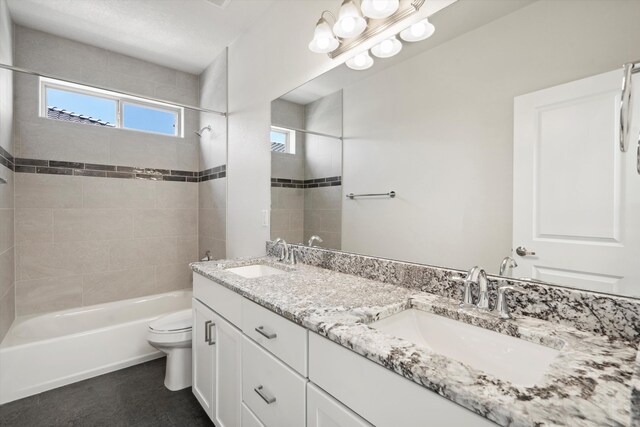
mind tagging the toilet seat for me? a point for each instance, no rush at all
(180, 321)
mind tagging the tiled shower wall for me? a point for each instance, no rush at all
(7, 249)
(323, 159)
(83, 240)
(287, 204)
(212, 204)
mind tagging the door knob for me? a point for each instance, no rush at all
(522, 251)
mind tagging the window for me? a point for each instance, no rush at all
(87, 105)
(283, 140)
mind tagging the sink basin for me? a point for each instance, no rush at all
(256, 270)
(507, 358)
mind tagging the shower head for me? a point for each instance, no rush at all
(199, 132)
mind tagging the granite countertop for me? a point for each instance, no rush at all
(588, 384)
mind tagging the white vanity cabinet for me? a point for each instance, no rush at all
(217, 370)
(324, 411)
(251, 368)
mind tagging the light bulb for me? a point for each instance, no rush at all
(379, 5)
(348, 24)
(361, 61)
(418, 30)
(323, 42)
(386, 46)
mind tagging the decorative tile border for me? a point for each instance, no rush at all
(56, 167)
(331, 181)
(6, 159)
(614, 316)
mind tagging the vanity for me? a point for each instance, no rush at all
(277, 344)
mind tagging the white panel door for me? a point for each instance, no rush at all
(228, 385)
(203, 356)
(576, 195)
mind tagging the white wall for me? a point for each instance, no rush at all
(438, 129)
(269, 60)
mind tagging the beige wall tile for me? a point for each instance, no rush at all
(51, 294)
(117, 193)
(177, 195)
(212, 223)
(7, 311)
(36, 261)
(132, 253)
(116, 285)
(7, 272)
(165, 222)
(6, 229)
(171, 277)
(212, 194)
(92, 224)
(7, 190)
(217, 247)
(34, 225)
(187, 249)
(47, 191)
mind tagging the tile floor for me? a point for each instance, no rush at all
(134, 396)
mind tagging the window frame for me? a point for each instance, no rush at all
(290, 144)
(120, 101)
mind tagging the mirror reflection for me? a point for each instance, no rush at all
(306, 169)
(518, 172)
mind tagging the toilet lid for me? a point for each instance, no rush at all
(178, 321)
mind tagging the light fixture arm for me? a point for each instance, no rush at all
(330, 13)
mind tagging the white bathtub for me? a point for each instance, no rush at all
(50, 350)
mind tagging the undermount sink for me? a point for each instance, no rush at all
(510, 359)
(256, 270)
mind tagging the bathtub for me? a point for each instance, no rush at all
(50, 350)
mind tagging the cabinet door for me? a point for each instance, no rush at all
(249, 419)
(203, 356)
(228, 385)
(324, 411)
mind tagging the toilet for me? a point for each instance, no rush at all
(171, 334)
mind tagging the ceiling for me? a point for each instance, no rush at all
(182, 34)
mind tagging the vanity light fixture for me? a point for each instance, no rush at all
(379, 9)
(350, 29)
(421, 30)
(361, 61)
(324, 41)
(350, 22)
(387, 48)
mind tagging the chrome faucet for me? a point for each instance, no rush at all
(285, 248)
(288, 254)
(507, 262)
(502, 308)
(314, 238)
(477, 276)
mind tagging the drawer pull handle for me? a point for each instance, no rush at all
(267, 335)
(210, 324)
(207, 330)
(264, 396)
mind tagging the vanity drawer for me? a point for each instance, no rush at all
(271, 390)
(224, 301)
(249, 419)
(278, 335)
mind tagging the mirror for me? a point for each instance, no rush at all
(498, 139)
(306, 168)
